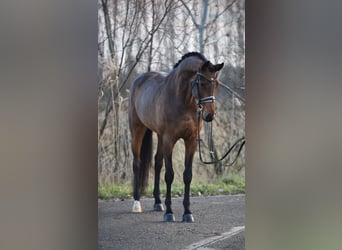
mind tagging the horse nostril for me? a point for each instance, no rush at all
(209, 117)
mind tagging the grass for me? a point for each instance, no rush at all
(234, 183)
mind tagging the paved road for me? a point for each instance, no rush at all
(219, 224)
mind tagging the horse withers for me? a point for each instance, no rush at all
(169, 105)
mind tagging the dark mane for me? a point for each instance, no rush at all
(199, 55)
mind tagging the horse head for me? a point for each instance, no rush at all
(204, 89)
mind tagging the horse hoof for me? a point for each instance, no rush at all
(158, 207)
(169, 217)
(188, 218)
(136, 207)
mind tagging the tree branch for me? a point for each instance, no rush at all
(145, 43)
(190, 13)
(219, 14)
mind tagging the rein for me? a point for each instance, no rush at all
(240, 141)
(212, 98)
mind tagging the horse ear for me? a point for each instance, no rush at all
(211, 67)
(218, 67)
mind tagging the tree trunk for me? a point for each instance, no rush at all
(108, 28)
(201, 27)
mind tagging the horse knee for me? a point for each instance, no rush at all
(169, 175)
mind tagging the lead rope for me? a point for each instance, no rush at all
(240, 141)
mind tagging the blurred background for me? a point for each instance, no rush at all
(49, 95)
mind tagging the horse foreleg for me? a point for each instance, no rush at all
(169, 175)
(190, 147)
(158, 159)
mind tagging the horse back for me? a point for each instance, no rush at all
(147, 86)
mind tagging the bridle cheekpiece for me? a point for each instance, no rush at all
(204, 99)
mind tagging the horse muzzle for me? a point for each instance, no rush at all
(204, 104)
(209, 118)
(206, 116)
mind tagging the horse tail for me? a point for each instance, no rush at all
(145, 161)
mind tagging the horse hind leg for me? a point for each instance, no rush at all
(136, 204)
(158, 161)
(137, 140)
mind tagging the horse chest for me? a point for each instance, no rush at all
(184, 129)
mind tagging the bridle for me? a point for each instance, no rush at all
(196, 83)
(212, 99)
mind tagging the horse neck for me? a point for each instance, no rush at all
(180, 84)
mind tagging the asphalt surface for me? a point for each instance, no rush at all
(219, 224)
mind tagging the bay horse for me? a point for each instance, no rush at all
(173, 106)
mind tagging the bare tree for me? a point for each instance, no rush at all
(202, 24)
(108, 28)
(127, 39)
